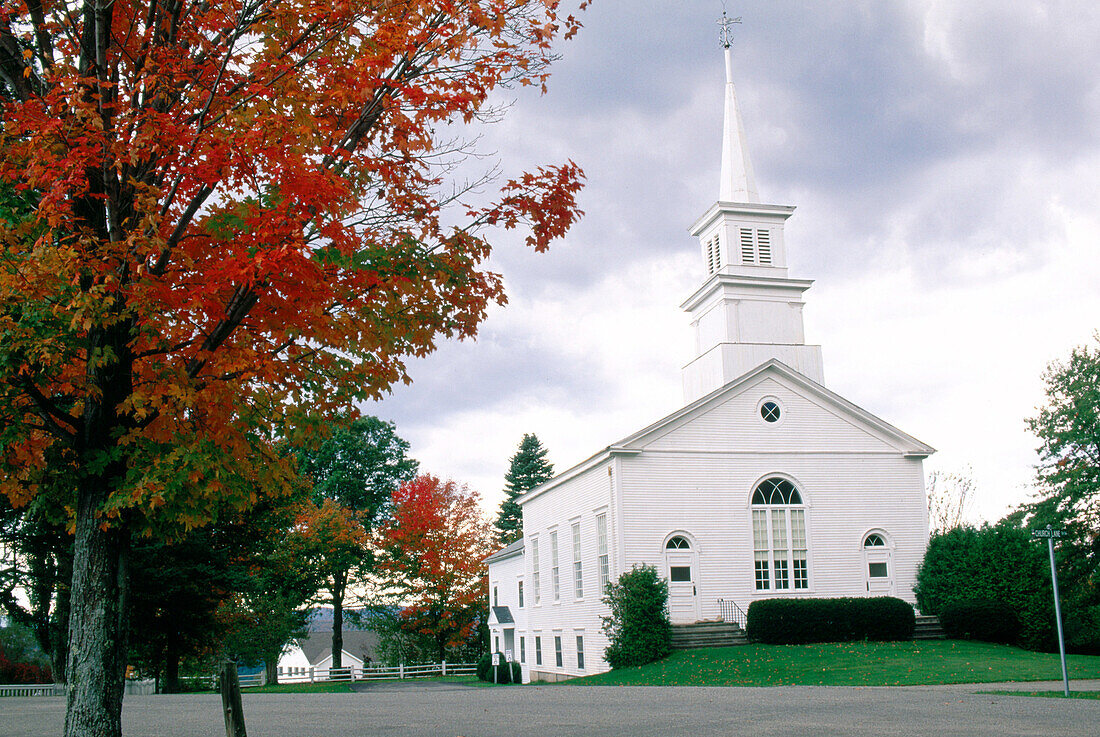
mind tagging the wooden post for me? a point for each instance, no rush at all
(231, 701)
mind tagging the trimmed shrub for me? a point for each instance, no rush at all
(797, 621)
(638, 630)
(994, 562)
(506, 672)
(980, 619)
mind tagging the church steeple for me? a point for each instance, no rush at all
(748, 310)
(738, 183)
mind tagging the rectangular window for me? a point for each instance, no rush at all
(679, 573)
(555, 580)
(578, 574)
(557, 651)
(779, 548)
(877, 570)
(535, 569)
(496, 597)
(580, 652)
(760, 548)
(496, 647)
(538, 650)
(523, 649)
(601, 552)
(798, 549)
(521, 594)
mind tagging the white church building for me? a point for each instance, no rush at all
(766, 484)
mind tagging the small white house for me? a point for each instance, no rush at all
(766, 484)
(314, 651)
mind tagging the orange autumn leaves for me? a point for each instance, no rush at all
(431, 557)
(236, 211)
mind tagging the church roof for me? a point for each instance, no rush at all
(501, 615)
(906, 444)
(506, 552)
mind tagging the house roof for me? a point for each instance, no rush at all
(317, 646)
(506, 552)
(632, 444)
(501, 615)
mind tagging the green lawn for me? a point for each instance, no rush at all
(320, 687)
(918, 663)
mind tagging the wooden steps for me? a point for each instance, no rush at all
(928, 628)
(707, 634)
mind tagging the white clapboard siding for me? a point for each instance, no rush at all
(735, 423)
(578, 499)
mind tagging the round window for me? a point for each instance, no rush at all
(769, 411)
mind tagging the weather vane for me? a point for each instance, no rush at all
(725, 33)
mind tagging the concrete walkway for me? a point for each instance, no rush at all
(449, 709)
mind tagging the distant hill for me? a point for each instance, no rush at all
(320, 619)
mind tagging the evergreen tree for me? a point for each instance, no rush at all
(528, 469)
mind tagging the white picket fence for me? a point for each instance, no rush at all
(33, 689)
(366, 673)
(350, 673)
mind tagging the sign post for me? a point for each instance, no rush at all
(496, 662)
(1051, 535)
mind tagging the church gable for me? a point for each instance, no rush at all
(773, 410)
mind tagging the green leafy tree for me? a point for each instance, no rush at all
(528, 469)
(638, 629)
(353, 471)
(1068, 428)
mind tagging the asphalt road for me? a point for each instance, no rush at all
(451, 710)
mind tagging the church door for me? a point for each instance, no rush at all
(681, 566)
(878, 565)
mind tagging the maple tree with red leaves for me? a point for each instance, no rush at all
(215, 215)
(431, 557)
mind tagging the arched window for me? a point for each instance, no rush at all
(678, 543)
(779, 536)
(874, 540)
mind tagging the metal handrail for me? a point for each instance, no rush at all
(732, 613)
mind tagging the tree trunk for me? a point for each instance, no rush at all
(171, 668)
(59, 623)
(271, 670)
(338, 587)
(98, 625)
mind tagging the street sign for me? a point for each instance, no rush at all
(496, 658)
(1050, 534)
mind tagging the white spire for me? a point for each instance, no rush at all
(738, 183)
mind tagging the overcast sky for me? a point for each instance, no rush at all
(944, 158)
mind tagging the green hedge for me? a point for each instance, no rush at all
(980, 619)
(506, 672)
(795, 621)
(996, 562)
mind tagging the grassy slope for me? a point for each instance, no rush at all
(849, 664)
